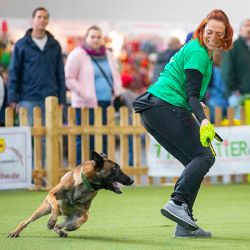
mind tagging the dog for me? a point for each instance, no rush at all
(73, 195)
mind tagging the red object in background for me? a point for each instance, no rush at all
(126, 79)
(4, 27)
(144, 62)
(70, 44)
(135, 45)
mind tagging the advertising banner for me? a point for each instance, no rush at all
(233, 155)
(15, 158)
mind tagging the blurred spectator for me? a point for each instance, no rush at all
(216, 94)
(135, 61)
(93, 77)
(235, 68)
(130, 91)
(3, 94)
(173, 45)
(189, 37)
(3, 101)
(6, 54)
(36, 68)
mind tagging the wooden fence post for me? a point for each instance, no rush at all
(52, 141)
(124, 137)
(111, 137)
(9, 117)
(71, 139)
(98, 123)
(247, 112)
(38, 172)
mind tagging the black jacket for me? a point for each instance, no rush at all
(235, 67)
(36, 74)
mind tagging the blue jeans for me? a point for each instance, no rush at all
(104, 105)
(234, 101)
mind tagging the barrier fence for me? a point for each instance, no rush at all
(61, 135)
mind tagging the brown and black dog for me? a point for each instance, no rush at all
(73, 195)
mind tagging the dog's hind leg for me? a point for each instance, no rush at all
(42, 210)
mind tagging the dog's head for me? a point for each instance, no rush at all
(108, 174)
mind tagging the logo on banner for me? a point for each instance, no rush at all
(232, 148)
(17, 152)
(15, 157)
(233, 155)
(229, 148)
(2, 145)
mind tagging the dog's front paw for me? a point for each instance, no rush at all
(13, 234)
(51, 224)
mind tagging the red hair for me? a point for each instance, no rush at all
(221, 16)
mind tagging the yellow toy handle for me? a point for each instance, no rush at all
(211, 147)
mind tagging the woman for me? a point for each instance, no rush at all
(166, 111)
(92, 76)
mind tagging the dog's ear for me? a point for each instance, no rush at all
(97, 158)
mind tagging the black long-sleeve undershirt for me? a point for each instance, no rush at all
(194, 80)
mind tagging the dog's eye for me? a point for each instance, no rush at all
(114, 169)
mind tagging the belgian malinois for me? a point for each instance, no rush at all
(73, 195)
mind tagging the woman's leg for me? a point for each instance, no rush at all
(177, 131)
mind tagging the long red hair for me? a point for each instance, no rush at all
(217, 15)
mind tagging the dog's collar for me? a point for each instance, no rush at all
(86, 182)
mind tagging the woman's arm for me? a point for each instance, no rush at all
(194, 80)
(72, 72)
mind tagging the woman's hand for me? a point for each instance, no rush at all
(207, 133)
(205, 122)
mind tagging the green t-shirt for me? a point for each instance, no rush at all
(171, 84)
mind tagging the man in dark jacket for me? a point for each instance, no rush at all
(235, 67)
(36, 70)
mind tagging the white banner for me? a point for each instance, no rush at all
(15, 158)
(233, 155)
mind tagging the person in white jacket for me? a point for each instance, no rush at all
(93, 78)
(3, 99)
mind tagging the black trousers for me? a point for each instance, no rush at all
(177, 131)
